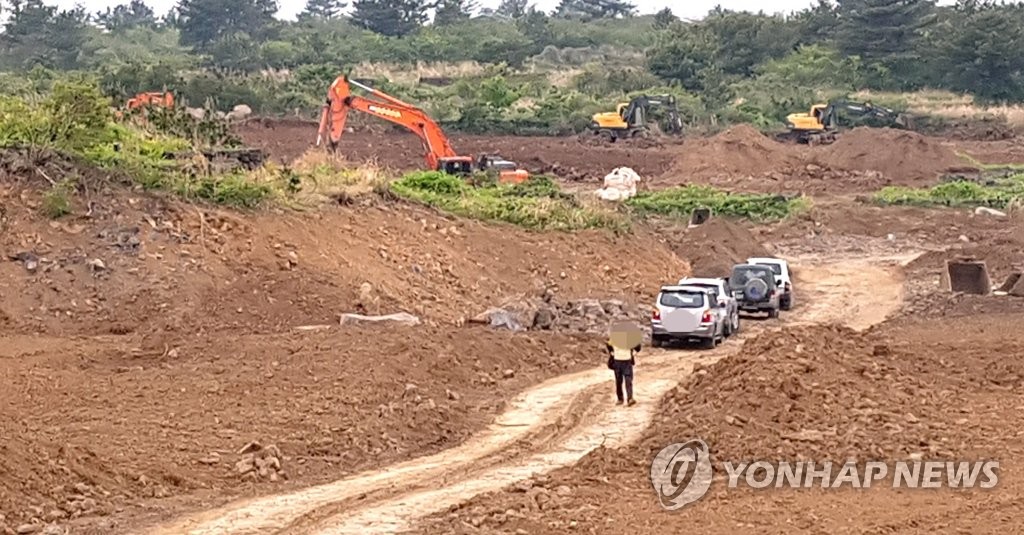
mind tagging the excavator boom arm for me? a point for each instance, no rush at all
(829, 117)
(340, 100)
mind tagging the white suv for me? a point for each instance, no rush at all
(730, 311)
(782, 278)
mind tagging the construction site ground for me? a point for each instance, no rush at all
(174, 368)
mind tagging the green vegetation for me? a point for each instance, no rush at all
(539, 204)
(74, 119)
(997, 193)
(518, 69)
(681, 201)
(535, 204)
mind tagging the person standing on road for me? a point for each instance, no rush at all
(621, 361)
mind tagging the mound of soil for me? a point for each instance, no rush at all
(823, 392)
(903, 156)
(714, 247)
(819, 393)
(741, 150)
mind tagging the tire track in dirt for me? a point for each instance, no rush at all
(540, 427)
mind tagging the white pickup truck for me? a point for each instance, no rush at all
(782, 278)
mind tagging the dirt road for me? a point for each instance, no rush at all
(547, 427)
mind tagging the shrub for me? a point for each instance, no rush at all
(534, 204)
(999, 193)
(680, 202)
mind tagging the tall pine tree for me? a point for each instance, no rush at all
(882, 31)
(513, 8)
(594, 9)
(204, 22)
(452, 11)
(393, 18)
(131, 15)
(323, 9)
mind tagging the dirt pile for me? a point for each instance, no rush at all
(903, 156)
(713, 248)
(912, 390)
(741, 150)
(809, 393)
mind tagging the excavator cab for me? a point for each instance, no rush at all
(455, 165)
(631, 119)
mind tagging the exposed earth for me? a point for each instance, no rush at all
(174, 368)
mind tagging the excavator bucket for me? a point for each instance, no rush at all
(968, 276)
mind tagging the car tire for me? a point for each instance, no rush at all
(736, 323)
(773, 313)
(727, 329)
(786, 303)
(657, 342)
(711, 343)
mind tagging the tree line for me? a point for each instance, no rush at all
(769, 61)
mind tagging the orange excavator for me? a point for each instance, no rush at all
(163, 100)
(440, 155)
(141, 100)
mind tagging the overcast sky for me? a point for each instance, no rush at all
(682, 8)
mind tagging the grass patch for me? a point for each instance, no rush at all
(537, 203)
(681, 201)
(997, 193)
(75, 119)
(991, 166)
(57, 200)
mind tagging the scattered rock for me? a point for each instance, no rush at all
(984, 210)
(96, 265)
(28, 259)
(260, 463)
(211, 459)
(401, 317)
(590, 316)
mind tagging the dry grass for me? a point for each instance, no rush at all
(325, 177)
(404, 74)
(947, 104)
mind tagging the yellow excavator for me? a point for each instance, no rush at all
(631, 119)
(820, 125)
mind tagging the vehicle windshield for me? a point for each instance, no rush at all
(712, 287)
(682, 299)
(741, 276)
(776, 268)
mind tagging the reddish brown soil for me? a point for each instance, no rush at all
(816, 394)
(569, 157)
(122, 377)
(182, 341)
(907, 157)
(861, 160)
(714, 247)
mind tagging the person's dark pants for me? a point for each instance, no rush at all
(623, 374)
